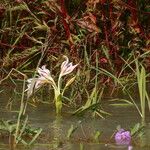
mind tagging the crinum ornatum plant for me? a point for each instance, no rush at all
(44, 76)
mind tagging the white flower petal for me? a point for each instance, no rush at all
(66, 67)
(65, 62)
(70, 69)
(34, 83)
(29, 80)
(44, 72)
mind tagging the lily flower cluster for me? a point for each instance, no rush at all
(44, 76)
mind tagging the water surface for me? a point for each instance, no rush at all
(54, 135)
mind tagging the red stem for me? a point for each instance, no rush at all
(64, 15)
(8, 45)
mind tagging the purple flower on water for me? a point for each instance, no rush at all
(123, 137)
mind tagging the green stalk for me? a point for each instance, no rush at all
(58, 104)
(20, 114)
(58, 97)
(141, 79)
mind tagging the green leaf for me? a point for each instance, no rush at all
(70, 81)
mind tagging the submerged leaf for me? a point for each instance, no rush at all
(121, 102)
(71, 130)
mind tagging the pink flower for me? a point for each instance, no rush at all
(103, 60)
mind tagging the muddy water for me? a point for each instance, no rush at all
(55, 130)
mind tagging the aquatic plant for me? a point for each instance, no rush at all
(141, 81)
(18, 130)
(45, 77)
(141, 76)
(138, 130)
(71, 130)
(138, 76)
(123, 137)
(93, 96)
(9, 127)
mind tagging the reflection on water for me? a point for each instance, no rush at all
(56, 129)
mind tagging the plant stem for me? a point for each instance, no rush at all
(58, 103)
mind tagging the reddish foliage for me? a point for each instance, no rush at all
(117, 25)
